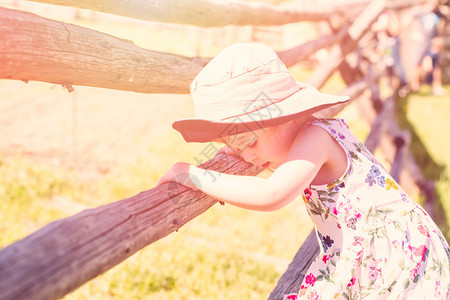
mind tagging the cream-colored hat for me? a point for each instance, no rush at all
(244, 88)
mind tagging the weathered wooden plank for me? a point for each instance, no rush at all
(402, 143)
(208, 13)
(36, 48)
(353, 91)
(301, 52)
(381, 124)
(361, 26)
(205, 13)
(64, 254)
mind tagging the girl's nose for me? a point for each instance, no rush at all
(249, 156)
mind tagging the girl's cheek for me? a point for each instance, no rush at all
(248, 156)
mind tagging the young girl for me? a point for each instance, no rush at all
(376, 243)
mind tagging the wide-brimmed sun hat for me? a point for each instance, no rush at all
(244, 88)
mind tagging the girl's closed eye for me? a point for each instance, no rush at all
(253, 143)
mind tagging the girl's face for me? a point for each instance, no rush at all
(266, 147)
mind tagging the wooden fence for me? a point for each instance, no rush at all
(66, 253)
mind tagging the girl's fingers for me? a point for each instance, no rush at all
(164, 179)
(176, 173)
(169, 176)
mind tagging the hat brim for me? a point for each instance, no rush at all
(305, 102)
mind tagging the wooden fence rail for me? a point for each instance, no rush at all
(208, 13)
(204, 13)
(65, 254)
(36, 48)
(301, 52)
(355, 33)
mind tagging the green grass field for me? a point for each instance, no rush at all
(225, 253)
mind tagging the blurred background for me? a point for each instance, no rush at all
(61, 153)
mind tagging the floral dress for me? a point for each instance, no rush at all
(375, 241)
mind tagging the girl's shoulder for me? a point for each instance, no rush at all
(326, 138)
(342, 134)
(332, 125)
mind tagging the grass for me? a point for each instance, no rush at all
(226, 253)
(27, 193)
(426, 118)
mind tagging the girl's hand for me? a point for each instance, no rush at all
(179, 172)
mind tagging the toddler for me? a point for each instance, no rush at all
(375, 241)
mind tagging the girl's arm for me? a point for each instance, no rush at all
(307, 155)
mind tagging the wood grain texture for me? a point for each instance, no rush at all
(208, 13)
(33, 48)
(36, 48)
(203, 13)
(66, 253)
